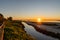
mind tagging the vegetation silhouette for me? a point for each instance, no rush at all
(10, 18)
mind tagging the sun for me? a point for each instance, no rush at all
(39, 19)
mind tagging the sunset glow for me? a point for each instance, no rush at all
(38, 19)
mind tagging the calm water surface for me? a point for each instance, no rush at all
(39, 36)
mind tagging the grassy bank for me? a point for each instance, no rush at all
(14, 30)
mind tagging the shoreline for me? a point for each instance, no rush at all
(49, 33)
(14, 30)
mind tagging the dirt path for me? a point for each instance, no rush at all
(1, 33)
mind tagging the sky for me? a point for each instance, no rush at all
(30, 8)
